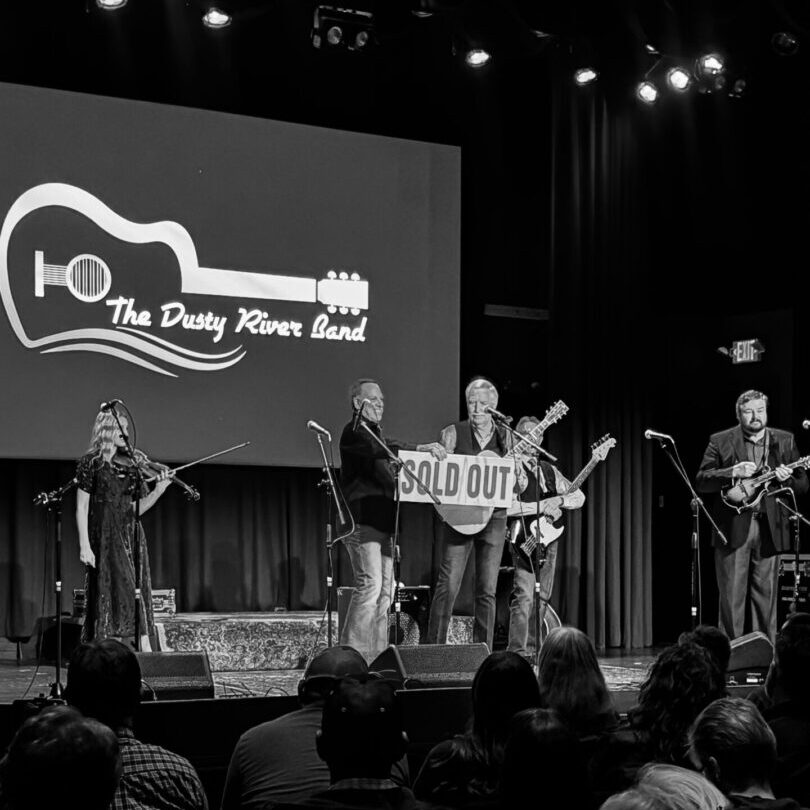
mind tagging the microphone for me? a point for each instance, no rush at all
(108, 406)
(321, 431)
(497, 414)
(654, 434)
(357, 414)
(806, 424)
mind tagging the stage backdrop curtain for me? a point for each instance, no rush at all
(254, 542)
(601, 340)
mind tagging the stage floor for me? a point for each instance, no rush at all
(623, 670)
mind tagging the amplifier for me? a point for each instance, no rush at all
(786, 582)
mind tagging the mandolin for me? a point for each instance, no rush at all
(746, 493)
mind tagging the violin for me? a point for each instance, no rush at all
(147, 464)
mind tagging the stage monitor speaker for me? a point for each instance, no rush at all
(430, 665)
(46, 638)
(175, 675)
(414, 613)
(750, 659)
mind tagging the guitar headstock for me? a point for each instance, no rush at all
(554, 414)
(600, 448)
(343, 291)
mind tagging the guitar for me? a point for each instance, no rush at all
(472, 519)
(543, 531)
(746, 493)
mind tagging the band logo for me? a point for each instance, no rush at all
(148, 335)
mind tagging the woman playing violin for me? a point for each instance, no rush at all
(107, 481)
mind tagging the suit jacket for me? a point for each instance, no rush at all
(726, 449)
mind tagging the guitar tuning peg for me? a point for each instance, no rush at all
(344, 276)
(344, 310)
(331, 309)
(331, 274)
(355, 277)
(355, 311)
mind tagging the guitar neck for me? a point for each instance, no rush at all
(583, 474)
(533, 435)
(765, 477)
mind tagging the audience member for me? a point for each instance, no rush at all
(104, 682)
(278, 761)
(731, 743)
(59, 759)
(543, 758)
(463, 772)
(685, 789)
(572, 683)
(788, 709)
(714, 641)
(361, 738)
(682, 681)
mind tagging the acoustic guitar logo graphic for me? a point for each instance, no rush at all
(89, 278)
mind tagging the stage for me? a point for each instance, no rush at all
(260, 654)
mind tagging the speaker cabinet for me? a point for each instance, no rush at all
(750, 659)
(430, 665)
(175, 675)
(413, 620)
(786, 582)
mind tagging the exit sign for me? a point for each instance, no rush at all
(746, 351)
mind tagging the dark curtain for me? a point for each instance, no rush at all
(254, 542)
(601, 340)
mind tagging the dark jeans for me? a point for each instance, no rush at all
(488, 545)
(522, 636)
(747, 582)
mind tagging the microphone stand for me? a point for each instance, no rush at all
(796, 519)
(136, 527)
(52, 501)
(330, 486)
(697, 506)
(397, 557)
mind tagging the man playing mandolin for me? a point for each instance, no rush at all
(741, 463)
(541, 491)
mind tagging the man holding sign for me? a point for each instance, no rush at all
(368, 480)
(476, 434)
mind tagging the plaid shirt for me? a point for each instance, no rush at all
(155, 779)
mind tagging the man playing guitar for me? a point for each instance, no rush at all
(539, 567)
(746, 567)
(470, 437)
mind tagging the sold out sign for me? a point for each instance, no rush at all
(461, 480)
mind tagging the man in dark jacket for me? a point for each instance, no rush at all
(746, 563)
(369, 480)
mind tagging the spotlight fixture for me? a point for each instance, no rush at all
(738, 89)
(647, 92)
(585, 75)
(111, 5)
(679, 79)
(342, 29)
(784, 43)
(477, 57)
(710, 64)
(651, 49)
(216, 18)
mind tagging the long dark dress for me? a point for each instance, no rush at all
(110, 585)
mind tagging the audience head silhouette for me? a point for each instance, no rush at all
(104, 681)
(326, 669)
(713, 640)
(572, 683)
(362, 731)
(60, 759)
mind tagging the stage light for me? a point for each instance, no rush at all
(784, 43)
(710, 64)
(678, 79)
(342, 29)
(647, 92)
(477, 57)
(651, 49)
(111, 5)
(216, 18)
(738, 89)
(586, 75)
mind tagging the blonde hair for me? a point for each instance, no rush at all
(687, 790)
(102, 445)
